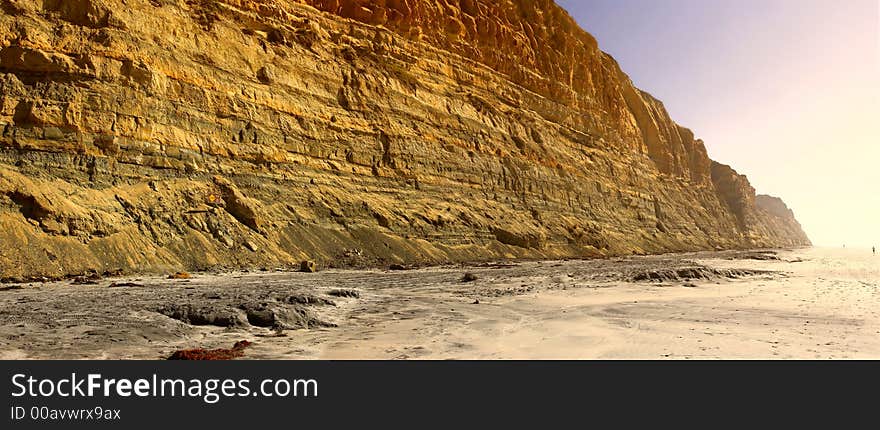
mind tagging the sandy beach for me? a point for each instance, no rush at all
(812, 303)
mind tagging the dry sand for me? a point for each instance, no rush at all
(805, 304)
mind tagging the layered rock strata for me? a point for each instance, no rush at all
(161, 135)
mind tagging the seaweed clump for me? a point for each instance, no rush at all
(237, 351)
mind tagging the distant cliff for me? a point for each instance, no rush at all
(151, 135)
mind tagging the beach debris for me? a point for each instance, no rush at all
(397, 267)
(237, 351)
(180, 275)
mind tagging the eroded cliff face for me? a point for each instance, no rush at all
(156, 135)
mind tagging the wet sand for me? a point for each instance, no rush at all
(804, 304)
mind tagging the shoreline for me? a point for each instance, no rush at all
(294, 268)
(733, 304)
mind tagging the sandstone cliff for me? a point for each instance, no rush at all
(153, 135)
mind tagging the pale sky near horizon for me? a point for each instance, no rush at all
(785, 91)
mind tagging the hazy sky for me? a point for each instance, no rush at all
(785, 91)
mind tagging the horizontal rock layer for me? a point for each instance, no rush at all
(158, 135)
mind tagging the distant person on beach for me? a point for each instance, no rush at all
(874, 250)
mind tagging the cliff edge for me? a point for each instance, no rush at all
(160, 135)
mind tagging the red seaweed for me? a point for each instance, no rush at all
(237, 351)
